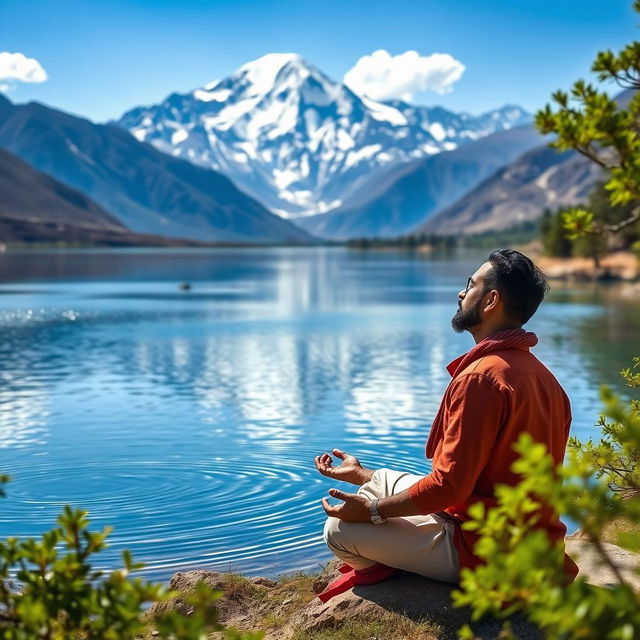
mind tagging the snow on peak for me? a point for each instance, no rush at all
(262, 72)
(298, 140)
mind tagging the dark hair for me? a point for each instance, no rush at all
(520, 283)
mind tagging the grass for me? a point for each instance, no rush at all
(297, 586)
(237, 587)
(614, 528)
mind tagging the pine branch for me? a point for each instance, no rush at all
(615, 228)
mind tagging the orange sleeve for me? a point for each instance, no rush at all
(475, 408)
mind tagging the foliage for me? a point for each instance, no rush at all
(616, 457)
(520, 233)
(564, 233)
(605, 131)
(597, 485)
(554, 238)
(49, 591)
(604, 212)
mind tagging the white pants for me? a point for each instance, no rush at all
(419, 544)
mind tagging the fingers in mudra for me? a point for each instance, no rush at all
(349, 470)
(354, 507)
(323, 464)
(345, 457)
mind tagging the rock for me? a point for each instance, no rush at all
(236, 607)
(586, 556)
(631, 290)
(410, 595)
(327, 575)
(260, 581)
(418, 598)
(248, 600)
(318, 616)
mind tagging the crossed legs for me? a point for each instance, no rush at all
(420, 544)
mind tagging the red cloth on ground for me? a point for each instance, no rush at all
(356, 577)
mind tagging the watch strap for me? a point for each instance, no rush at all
(376, 518)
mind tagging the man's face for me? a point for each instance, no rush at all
(470, 300)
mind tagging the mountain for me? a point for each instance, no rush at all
(539, 179)
(36, 208)
(298, 141)
(408, 194)
(149, 191)
(28, 194)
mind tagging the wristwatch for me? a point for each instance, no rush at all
(376, 518)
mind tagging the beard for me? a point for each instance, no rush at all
(465, 320)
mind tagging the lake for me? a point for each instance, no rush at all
(189, 420)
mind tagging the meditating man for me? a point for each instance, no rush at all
(498, 390)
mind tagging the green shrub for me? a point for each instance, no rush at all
(49, 591)
(599, 484)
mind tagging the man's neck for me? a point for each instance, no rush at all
(481, 332)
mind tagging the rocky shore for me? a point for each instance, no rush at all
(621, 266)
(406, 607)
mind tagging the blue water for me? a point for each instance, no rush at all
(189, 420)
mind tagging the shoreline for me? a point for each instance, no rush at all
(619, 266)
(287, 608)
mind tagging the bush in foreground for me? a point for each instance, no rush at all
(49, 591)
(524, 571)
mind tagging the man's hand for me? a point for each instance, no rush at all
(355, 508)
(349, 470)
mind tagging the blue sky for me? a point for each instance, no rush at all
(102, 58)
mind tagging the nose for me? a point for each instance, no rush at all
(461, 294)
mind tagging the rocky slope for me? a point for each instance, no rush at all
(32, 196)
(396, 203)
(148, 191)
(406, 607)
(542, 178)
(298, 141)
(35, 208)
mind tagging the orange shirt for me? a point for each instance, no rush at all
(499, 394)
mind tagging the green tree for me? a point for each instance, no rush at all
(607, 213)
(554, 239)
(605, 131)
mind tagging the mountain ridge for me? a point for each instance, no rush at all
(298, 141)
(148, 191)
(411, 193)
(36, 208)
(539, 179)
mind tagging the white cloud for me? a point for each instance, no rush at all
(382, 76)
(16, 67)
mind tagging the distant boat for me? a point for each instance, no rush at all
(185, 286)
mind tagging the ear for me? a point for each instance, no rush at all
(492, 301)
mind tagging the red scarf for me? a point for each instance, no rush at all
(499, 341)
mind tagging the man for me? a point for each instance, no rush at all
(499, 389)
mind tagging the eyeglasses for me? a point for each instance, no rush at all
(469, 283)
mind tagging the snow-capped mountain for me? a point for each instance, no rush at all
(298, 141)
